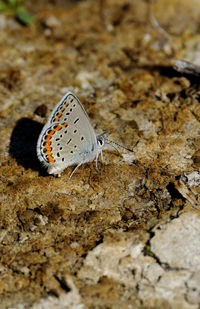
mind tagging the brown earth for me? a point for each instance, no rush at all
(128, 236)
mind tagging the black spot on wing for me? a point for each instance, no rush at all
(75, 121)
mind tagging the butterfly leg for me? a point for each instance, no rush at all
(102, 156)
(74, 170)
(97, 163)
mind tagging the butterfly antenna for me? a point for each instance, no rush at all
(111, 142)
(113, 146)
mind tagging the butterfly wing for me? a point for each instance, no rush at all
(68, 137)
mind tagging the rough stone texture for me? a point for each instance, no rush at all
(128, 236)
(176, 247)
(169, 243)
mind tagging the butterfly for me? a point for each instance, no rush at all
(68, 138)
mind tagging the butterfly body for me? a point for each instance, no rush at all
(68, 137)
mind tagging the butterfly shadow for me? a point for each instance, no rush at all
(23, 144)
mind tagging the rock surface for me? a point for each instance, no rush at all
(128, 236)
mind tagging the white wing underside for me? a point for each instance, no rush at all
(67, 138)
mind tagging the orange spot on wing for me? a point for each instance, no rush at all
(48, 142)
(61, 111)
(51, 159)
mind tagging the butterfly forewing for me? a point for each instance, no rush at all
(68, 137)
(68, 108)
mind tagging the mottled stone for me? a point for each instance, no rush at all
(178, 243)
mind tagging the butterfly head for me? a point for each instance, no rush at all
(100, 141)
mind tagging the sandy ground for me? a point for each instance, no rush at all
(129, 235)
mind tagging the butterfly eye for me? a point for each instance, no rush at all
(100, 141)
